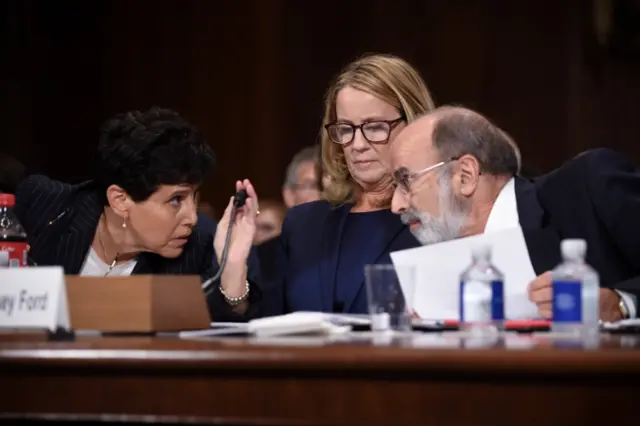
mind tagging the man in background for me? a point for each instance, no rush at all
(302, 182)
(206, 209)
(206, 216)
(301, 185)
(269, 221)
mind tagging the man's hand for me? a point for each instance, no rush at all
(610, 305)
(541, 293)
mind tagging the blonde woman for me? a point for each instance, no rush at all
(325, 244)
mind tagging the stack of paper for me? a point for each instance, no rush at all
(439, 266)
(297, 323)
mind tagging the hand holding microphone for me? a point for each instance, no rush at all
(234, 237)
(243, 228)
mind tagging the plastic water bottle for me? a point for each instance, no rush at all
(13, 239)
(576, 291)
(482, 294)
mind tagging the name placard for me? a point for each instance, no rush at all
(33, 297)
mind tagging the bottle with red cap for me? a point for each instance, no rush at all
(13, 239)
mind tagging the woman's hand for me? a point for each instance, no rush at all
(244, 227)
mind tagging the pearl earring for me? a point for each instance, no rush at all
(124, 223)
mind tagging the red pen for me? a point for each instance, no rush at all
(513, 324)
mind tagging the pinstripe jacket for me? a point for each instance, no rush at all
(61, 220)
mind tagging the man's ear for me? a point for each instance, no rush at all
(469, 174)
(287, 196)
(119, 201)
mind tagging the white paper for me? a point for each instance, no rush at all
(296, 323)
(217, 331)
(439, 266)
(33, 297)
(228, 325)
(629, 322)
(303, 322)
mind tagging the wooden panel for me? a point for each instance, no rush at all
(246, 382)
(252, 74)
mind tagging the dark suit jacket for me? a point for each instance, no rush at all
(595, 196)
(61, 220)
(298, 269)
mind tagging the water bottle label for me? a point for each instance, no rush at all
(567, 301)
(480, 302)
(497, 300)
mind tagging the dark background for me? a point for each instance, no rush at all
(561, 76)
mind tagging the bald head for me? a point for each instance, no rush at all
(450, 132)
(417, 132)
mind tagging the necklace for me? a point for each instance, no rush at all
(105, 252)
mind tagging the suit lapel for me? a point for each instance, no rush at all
(143, 265)
(330, 252)
(74, 246)
(67, 239)
(542, 238)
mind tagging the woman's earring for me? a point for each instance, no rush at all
(124, 223)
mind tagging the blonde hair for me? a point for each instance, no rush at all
(387, 77)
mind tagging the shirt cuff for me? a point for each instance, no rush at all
(629, 301)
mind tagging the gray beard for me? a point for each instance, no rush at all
(453, 215)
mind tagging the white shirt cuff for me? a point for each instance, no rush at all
(630, 302)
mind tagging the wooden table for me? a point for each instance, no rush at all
(436, 381)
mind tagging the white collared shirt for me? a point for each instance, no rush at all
(94, 266)
(504, 215)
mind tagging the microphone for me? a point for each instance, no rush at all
(240, 198)
(238, 201)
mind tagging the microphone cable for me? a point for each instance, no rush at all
(238, 201)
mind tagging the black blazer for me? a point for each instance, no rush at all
(596, 197)
(61, 220)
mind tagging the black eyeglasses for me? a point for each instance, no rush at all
(373, 131)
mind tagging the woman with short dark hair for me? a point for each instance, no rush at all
(138, 213)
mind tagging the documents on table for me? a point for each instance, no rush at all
(438, 269)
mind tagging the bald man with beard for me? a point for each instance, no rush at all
(456, 175)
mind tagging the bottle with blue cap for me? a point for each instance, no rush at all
(576, 291)
(481, 293)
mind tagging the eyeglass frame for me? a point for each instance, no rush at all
(405, 183)
(391, 123)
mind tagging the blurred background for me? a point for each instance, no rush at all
(561, 76)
